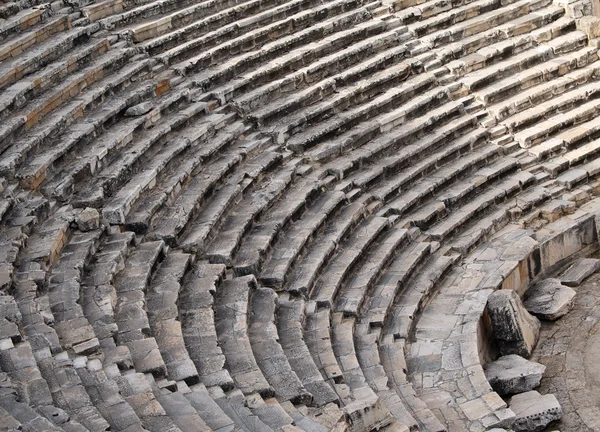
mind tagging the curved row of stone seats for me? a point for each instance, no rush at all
(145, 142)
(198, 323)
(231, 309)
(133, 327)
(235, 146)
(258, 241)
(19, 42)
(98, 292)
(203, 229)
(335, 33)
(294, 240)
(42, 119)
(87, 147)
(289, 318)
(24, 90)
(55, 39)
(155, 164)
(351, 253)
(72, 327)
(361, 405)
(342, 332)
(268, 352)
(302, 278)
(161, 303)
(351, 296)
(238, 222)
(35, 306)
(253, 31)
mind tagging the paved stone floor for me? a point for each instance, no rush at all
(570, 349)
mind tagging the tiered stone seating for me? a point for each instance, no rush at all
(198, 324)
(289, 326)
(368, 163)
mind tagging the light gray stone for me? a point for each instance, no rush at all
(534, 412)
(88, 219)
(138, 110)
(580, 270)
(549, 299)
(513, 374)
(515, 330)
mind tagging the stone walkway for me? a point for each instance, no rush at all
(570, 349)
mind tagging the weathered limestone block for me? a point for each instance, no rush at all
(576, 8)
(139, 109)
(88, 219)
(549, 299)
(515, 330)
(534, 411)
(513, 374)
(580, 270)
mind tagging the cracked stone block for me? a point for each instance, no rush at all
(580, 270)
(534, 411)
(515, 330)
(88, 219)
(139, 109)
(549, 299)
(513, 374)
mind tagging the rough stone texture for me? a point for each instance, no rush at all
(580, 270)
(513, 374)
(88, 219)
(534, 411)
(549, 299)
(515, 329)
(139, 109)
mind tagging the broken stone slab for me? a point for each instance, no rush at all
(581, 269)
(88, 219)
(513, 374)
(515, 330)
(139, 109)
(549, 299)
(534, 411)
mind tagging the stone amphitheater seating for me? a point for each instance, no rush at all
(282, 215)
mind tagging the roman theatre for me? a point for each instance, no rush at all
(299, 215)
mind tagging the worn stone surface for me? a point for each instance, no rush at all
(580, 270)
(513, 374)
(534, 411)
(514, 328)
(548, 299)
(88, 220)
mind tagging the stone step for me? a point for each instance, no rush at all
(303, 277)
(198, 324)
(27, 27)
(161, 304)
(295, 239)
(352, 295)
(139, 391)
(268, 352)
(328, 285)
(355, 45)
(211, 413)
(235, 406)
(15, 96)
(41, 54)
(313, 60)
(289, 319)
(205, 226)
(367, 355)
(256, 30)
(238, 222)
(231, 323)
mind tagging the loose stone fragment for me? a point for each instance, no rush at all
(513, 374)
(549, 299)
(534, 412)
(515, 330)
(580, 270)
(88, 219)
